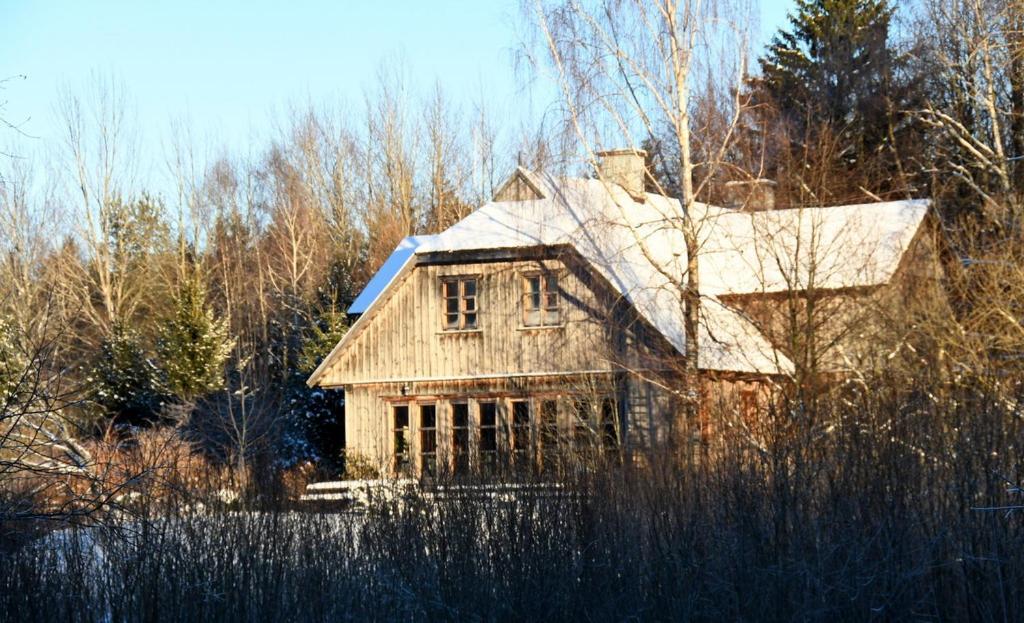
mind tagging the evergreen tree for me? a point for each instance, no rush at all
(837, 87)
(12, 364)
(313, 418)
(832, 62)
(123, 381)
(193, 344)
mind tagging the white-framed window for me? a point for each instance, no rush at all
(542, 304)
(461, 312)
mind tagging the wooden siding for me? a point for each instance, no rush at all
(402, 354)
(405, 339)
(517, 188)
(850, 328)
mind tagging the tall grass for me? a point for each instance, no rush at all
(868, 507)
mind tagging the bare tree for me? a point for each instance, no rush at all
(976, 107)
(116, 230)
(626, 72)
(45, 472)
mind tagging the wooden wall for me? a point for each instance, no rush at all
(405, 339)
(852, 328)
(403, 352)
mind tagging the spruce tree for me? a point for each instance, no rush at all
(833, 77)
(832, 63)
(12, 365)
(313, 415)
(123, 381)
(193, 344)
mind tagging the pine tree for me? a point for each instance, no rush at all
(193, 344)
(832, 62)
(124, 382)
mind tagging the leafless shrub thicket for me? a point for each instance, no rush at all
(880, 515)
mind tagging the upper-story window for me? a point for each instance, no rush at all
(542, 306)
(460, 308)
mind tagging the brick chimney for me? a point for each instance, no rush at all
(626, 168)
(750, 195)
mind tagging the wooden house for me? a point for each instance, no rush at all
(550, 321)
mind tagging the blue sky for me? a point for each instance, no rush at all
(228, 67)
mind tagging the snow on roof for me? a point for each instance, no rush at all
(638, 247)
(386, 273)
(798, 249)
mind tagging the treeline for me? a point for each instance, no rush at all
(124, 307)
(861, 100)
(208, 305)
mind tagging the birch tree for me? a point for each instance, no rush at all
(976, 103)
(626, 71)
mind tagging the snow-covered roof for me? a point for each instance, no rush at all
(826, 248)
(398, 259)
(638, 248)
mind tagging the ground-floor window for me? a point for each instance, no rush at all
(400, 439)
(520, 432)
(583, 426)
(428, 439)
(491, 434)
(488, 436)
(549, 439)
(460, 437)
(609, 425)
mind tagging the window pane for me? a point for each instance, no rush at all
(451, 289)
(551, 317)
(428, 439)
(531, 318)
(488, 414)
(549, 423)
(551, 283)
(469, 287)
(488, 433)
(520, 426)
(460, 436)
(460, 415)
(609, 433)
(428, 416)
(470, 321)
(401, 416)
(451, 321)
(488, 439)
(470, 304)
(551, 300)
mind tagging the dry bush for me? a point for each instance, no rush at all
(881, 515)
(158, 465)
